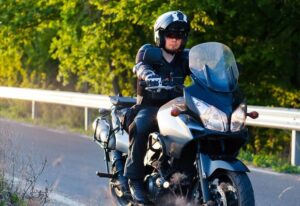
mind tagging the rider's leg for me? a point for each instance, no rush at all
(143, 124)
(117, 163)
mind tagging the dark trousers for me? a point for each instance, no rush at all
(117, 161)
(144, 123)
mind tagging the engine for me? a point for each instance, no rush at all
(156, 185)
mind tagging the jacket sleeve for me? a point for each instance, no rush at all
(141, 69)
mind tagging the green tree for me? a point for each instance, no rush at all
(264, 35)
(99, 49)
(91, 45)
(27, 28)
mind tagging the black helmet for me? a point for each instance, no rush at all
(172, 21)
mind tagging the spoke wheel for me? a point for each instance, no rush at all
(231, 189)
(119, 197)
(227, 189)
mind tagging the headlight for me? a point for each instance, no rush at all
(238, 118)
(211, 117)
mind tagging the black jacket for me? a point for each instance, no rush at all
(178, 68)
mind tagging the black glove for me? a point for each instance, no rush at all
(153, 80)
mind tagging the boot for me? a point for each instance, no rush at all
(138, 192)
(118, 169)
(122, 182)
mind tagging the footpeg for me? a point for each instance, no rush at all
(106, 175)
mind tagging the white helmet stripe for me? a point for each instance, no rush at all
(175, 17)
(184, 18)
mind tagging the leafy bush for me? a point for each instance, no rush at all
(269, 141)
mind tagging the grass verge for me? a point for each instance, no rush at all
(269, 161)
(49, 115)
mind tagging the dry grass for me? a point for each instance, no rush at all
(19, 175)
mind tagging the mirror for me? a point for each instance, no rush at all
(152, 55)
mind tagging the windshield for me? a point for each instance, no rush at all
(214, 65)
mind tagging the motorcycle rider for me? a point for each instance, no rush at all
(170, 34)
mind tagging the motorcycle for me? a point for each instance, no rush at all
(206, 126)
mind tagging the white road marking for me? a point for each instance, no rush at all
(284, 191)
(55, 199)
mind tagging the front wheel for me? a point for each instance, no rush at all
(118, 196)
(228, 188)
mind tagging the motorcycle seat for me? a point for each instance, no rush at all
(122, 101)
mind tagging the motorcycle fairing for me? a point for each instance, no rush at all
(174, 145)
(181, 130)
(215, 75)
(174, 126)
(226, 102)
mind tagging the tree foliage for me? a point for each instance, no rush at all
(91, 45)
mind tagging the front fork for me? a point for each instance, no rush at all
(200, 162)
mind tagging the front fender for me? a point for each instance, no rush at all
(210, 166)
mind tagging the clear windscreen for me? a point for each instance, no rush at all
(214, 65)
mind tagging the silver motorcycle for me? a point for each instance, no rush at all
(206, 125)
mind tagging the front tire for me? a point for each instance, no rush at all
(229, 188)
(119, 198)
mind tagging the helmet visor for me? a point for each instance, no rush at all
(175, 34)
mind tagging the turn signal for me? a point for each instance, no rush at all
(253, 114)
(175, 111)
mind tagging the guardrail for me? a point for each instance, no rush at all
(281, 118)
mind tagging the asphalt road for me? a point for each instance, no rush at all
(73, 159)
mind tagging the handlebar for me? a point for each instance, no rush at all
(159, 87)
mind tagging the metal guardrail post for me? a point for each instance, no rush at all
(33, 110)
(295, 148)
(86, 118)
